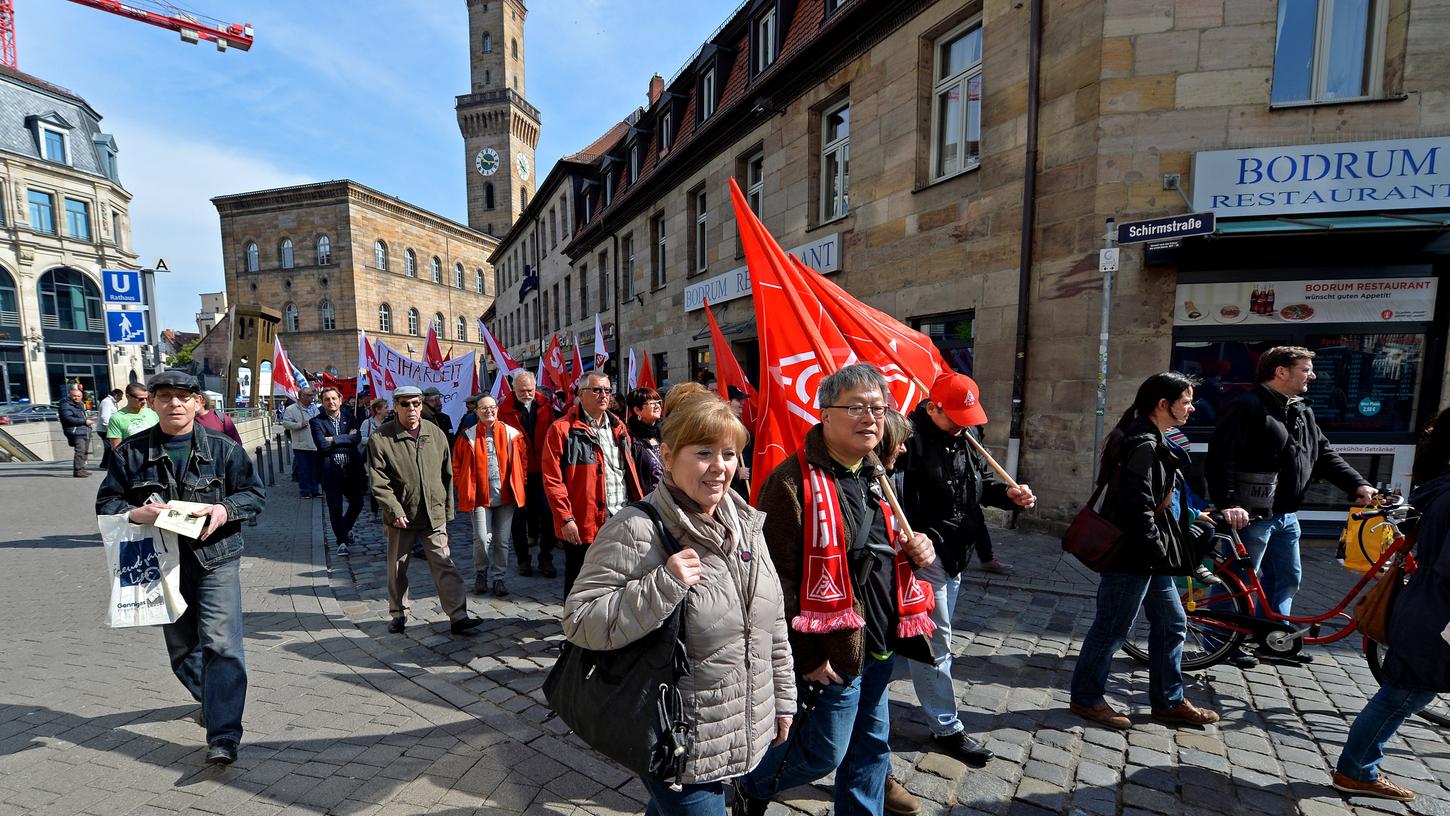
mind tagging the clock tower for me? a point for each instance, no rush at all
(500, 128)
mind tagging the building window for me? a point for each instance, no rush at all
(755, 181)
(700, 362)
(553, 228)
(568, 301)
(254, 260)
(1328, 50)
(461, 329)
(835, 161)
(667, 130)
(661, 367)
(385, 318)
(523, 199)
(410, 263)
(956, 128)
(699, 254)
(413, 322)
(77, 219)
(515, 45)
(108, 165)
(70, 301)
(380, 255)
(608, 187)
(9, 300)
(626, 255)
(544, 309)
(707, 94)
(657, 229)
(564, 217)
(765, 41)
(953, 336)
(487, 42)
(478, 281)
(458, 276)
(557, 323)
(328, 315)
(54, 145)
(435, 269)
(439, 326)
(584, 290)
(633, 163)
(588, 207)
(115, 226)
(284, 252)
(324, 251)
(488, 196)
(291, 321)
(603, 279)
(42, 212)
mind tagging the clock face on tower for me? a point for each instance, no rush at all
(486, 162)
(523, 167)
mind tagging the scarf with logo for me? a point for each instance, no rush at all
(826, 600)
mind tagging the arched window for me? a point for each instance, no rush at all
(524, 199)
(385, 318)
(9, 300)
(290, 319)
(458, 276)
(440, 327)
(516, 48)
(410, 264)
(71, 301)
(462, 333)
(488, 196)
(324, 251)
(329, 316)
(413, 322)
(380, 255)
(254, 261)
(487, 43)
(478, 281)
(437, 269)
(284, 253)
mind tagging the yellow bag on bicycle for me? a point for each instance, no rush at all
(1364, 541)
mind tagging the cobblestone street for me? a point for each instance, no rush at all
(345, 718)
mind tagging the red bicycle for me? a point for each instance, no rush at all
(1222, 618)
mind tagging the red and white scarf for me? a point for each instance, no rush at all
(826, 600)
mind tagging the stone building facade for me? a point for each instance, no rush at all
(64, 217)
(337, 257)
(907, 147)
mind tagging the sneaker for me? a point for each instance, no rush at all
(1186, 713)
(464, 626)
(1102, 714)
(899, 800)
(1380, 788)
(480, 584)
(342, 551)
(1294, 659)
(222, 752)
(499, 591)
(964, 748)
(1204, 575)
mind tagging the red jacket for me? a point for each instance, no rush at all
(470, 467)
(508, 412)
(574, 473)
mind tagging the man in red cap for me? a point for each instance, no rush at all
(947, 482)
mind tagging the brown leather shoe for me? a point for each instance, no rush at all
(1380, 788)
(899, 800)
(81, 474)
(1102, 714)
(1186, 713)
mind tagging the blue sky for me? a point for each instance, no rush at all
(360, 89)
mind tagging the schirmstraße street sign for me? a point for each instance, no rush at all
(1166, 229)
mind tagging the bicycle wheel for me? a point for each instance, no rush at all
(1437, 712)
(1209, 642)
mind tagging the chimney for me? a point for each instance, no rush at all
(656, 87)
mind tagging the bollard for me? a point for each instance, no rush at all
(282, 458)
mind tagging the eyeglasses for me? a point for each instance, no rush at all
(596, 390)
(409, 404)
(655, 403)
(857, 411)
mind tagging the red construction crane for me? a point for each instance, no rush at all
(192, 27)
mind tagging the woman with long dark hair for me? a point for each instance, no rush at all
(643, 405)
(1418, 665)
(1145, 498)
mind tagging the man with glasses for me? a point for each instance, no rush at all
(588, 471)
(135, 417)
(848, 615)
(177, 459)
(338, 438)
(522, 409)
(412, 474)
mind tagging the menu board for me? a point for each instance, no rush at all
(1366, 382)
(1363, 300)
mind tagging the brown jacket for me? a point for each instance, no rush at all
(781, 501)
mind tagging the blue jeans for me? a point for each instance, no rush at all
(1273, 545)
(694, 800)
(846, 731)
(1119, 597)
(304, 467)
(1364, 748)
(934, 683)
(205, 645)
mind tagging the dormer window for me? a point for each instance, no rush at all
(608, 187)
(51, 134)
(707, 94)
(54, 142)
(633, 163)
(766, 40)
(667, 130)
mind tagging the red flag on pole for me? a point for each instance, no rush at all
(728, 372)
(646, 374)
(553, 365)
(283, 381)
(432, 354)
(576, 371)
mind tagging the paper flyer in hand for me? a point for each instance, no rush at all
(178, 519)
(1445, 635)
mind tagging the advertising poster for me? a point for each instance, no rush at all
(1368, 300)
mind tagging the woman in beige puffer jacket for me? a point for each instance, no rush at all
(740, 693)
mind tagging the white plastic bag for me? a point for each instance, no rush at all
(145, 568)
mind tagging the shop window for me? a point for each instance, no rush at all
(953, 335)
(1328, 50)
(701, 362)
(660, 366)
(956, 141)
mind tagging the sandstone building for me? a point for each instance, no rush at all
(337, 257)
(956, 164)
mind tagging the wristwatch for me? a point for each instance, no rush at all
(569, 520)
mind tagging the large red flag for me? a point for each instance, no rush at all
(728, 371)
(553, 364)
(646, 374)
(432, 354)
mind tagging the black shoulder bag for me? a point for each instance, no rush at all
(625, 703)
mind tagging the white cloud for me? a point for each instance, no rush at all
(173, 178)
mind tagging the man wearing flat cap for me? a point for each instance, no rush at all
(412, 475)
(180, 460)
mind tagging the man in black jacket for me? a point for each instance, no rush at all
(179, 460)
(947, 482)
(1265, 450)
(339, 456)
(77, 428)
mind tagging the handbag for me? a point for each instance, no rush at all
(1092, 538)
(144, 566)
(1372, 612)
(625, 703)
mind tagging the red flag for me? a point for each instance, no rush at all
(283, 382)
(728, 371)
(553, 365)
(576, 371)
(646, 374)
(432, 354)
(449, 355)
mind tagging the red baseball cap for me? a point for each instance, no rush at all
(956, 395)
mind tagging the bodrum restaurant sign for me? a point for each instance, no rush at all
(1399, 174)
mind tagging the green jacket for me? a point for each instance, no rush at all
(412, 478)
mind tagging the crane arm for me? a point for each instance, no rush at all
(234, 35)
